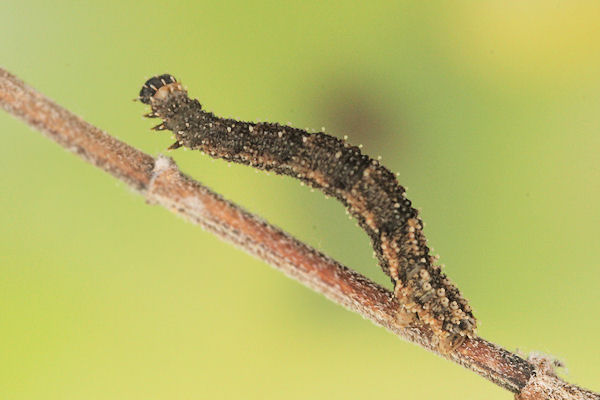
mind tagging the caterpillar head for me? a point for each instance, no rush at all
(158, 87)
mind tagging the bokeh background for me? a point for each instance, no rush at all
(490, 111)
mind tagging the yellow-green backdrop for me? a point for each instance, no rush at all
(490, 111)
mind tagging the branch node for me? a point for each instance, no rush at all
(545, 385)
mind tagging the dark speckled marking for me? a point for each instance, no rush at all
(369, 191)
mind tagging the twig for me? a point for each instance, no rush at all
(160, 181)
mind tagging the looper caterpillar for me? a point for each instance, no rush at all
(369, 191)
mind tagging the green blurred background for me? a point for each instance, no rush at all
(489, 111)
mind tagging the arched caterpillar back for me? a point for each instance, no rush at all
(369, 191)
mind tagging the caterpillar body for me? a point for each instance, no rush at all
(369, 191)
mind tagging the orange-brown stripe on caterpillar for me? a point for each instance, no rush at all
(370, 192)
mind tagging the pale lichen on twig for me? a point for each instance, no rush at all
(161, 182)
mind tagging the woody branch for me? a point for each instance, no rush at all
(161, 182)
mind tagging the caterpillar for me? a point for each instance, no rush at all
(369, 191)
